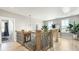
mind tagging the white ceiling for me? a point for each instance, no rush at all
(43, 13)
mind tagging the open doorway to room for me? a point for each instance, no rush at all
(7, 30)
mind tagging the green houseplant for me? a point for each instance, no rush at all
(74, 28)
(45, 28)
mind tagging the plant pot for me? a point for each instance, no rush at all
(74, 36)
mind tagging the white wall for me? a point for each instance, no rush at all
(71, 19)
(0, 32)
(21, 22)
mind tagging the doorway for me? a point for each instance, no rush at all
(7, 30)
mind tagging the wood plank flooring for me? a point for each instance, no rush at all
(12, 46)
(64, 44)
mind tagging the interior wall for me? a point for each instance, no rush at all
(0, 33)
(76, 19)
(21, 22)
(71, 19)
(11, 29)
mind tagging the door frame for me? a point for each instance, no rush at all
(13, 20)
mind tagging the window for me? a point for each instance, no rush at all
(50, 24)
(64, 25)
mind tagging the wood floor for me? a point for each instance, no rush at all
(12, 46)
(62, 45)
(66, 45)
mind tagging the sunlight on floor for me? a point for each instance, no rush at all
(62, 45)
(12, 46)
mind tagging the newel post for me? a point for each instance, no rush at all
(38, 40)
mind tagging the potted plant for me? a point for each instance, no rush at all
(74, 28)
(45, 28)
(53, 26)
